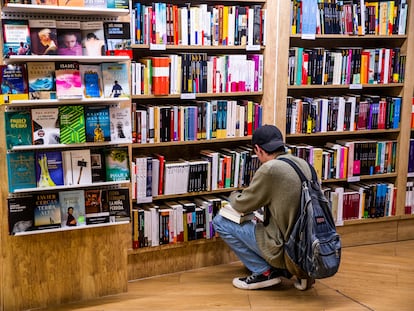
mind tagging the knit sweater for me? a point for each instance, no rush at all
(277, 187)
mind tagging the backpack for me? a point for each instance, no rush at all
(314, 246)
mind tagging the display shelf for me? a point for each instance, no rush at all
(197, 95)
(15, 59)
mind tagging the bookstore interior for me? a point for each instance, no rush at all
(126, 124)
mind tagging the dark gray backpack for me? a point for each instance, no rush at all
(314, 246)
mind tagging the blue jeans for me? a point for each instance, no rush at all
(241, 238)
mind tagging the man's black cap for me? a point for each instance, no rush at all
(268, 137)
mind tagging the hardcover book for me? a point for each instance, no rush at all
(95, 211)
(43, 36)
(115, 80)
(68, 80)
(16, 37)
(93, 38)
(69, 37)
(97, 124)
(18, 126)
(13, 81)
(98, 165)
(118, 203)
(118, 38)
(77, 167)
(72, 124)
(120, 118)
(45, 126)
(72, 208)
(21, 214)
(47, 210)
(117, 164)
(49, 169)
(21, 170)
(41, 80)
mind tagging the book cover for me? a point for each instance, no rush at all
(43, 36)
(96, 212)
(98, 165)
(79, 3)
(97, 124)
(21, 170)
(72, 208)
(77, 167)
(49, 169)
(72, 124)
(117, 164)
(46, 210)
(227, 211)
(117, 38)
(115, 80)
(120, 118)
(91, 76)
(69, 37)
(92, 34)
(41, 80)
(118, 203)
(44, 2)
(13, 81)
(45, 126)
(16, 37)
(18, 126)
(68, 80)
(21, 214)
(117, 4)
(96, 4)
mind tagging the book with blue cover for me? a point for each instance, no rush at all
(49, 169)
(18, 125)
(13, 82)
(21, 170)
(97, 124)
(41, 80)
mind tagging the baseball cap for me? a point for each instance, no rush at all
(268, 137)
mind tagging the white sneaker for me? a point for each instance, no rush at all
(304, 284)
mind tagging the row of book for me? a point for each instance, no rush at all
(63, 80)
(50, 126)
(197, 73)
(411, 157)
(354, 17)
(168, 222)
(67, 209)
(95, 4)
(65, 37)
(362, 200)
(201, 24)
(320, 66)
(349, 159)
(409, 198)
(351, 112)
(198, 120)
(154, 175)
(49, 169)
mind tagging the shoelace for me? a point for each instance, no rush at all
(251, 277)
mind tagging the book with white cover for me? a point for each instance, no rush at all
(227, 211)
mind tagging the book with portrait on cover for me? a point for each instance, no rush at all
(72, 206)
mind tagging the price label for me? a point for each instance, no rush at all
(188, 96)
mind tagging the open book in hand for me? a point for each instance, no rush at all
(230, 213)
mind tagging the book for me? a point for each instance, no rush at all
(91, 77)
(97, 124)
(72, 124)
(43, 2)
(119, 205)
(20, 214)
(117, 4)
(72, 208)
(115, 80)
(41, 80)
(68, 80)
(21, 170)
(95, 211)
(96, 4)
(97, 165)
(69, 37)
(18, 127)
(77, 167)
(227, 211)
(78, 3)
(46, 210)
(92, 35)
(43, 36)
(13, 82)
(121, 128)
(117, 164)
(16, 37)
(45, 126)
(117, 38)
(49, 169)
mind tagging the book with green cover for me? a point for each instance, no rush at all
(18, 124)
(21, 170)
(117, 164)
(72, 124)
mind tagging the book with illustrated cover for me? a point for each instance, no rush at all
(79, 3)
(46, 210)
(115, 80)
(91, 76)
(72, 124)
(120, 118)
(43, 36)
(13, 82)
(97, 165)
(18, 126)
(117, 4)
(118, 38)
(49, 169)
(118, 203)
(45, 123)
(44, 2)
(16, 37)
(93, 38)
(21, 214)
(68, 80)
(96, 212)
(77, 167)
(72, 208)
(41, 80)
(69, 37)
(97, 124)
(117, 164)
(21, 170)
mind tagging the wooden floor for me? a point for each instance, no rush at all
(374, 277)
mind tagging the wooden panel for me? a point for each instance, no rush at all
(405, 229)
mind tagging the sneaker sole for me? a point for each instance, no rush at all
(242, 285)
(304, 284)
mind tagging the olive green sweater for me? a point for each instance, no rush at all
(277, 187)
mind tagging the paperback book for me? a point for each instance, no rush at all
(69, 37)
(41, 80)
(93, 38)
(49, 169)
(45, 126)
(115, 80)
(72, 208)
(21, 214)
(117, 164)
(46, 210)
(91, 76)
(97, 165)
(227, 211)
(118, 38)
(16, 37)
(77, 167)
(120, 118)
(118, 203)
(97, 124)
(96, 212)
(21, 170)
(72, 124)
(18, 126)
(68, 80)
(43, 36)
(13, 81)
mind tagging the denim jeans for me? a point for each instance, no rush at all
(241, 238)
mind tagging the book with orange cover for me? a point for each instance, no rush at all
(160, 75)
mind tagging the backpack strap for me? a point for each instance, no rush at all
(299, 171)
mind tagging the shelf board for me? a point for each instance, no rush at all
(191, 142)
(197, 95)
(363, 177)
(343, 86)
(351, 37)
(197, 47)
(13, 59)
(54, 102)
(343, 133)
(351, 222)
(61, 146)
(54, 9)
(191, 194)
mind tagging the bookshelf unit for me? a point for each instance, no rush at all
(54, 266)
